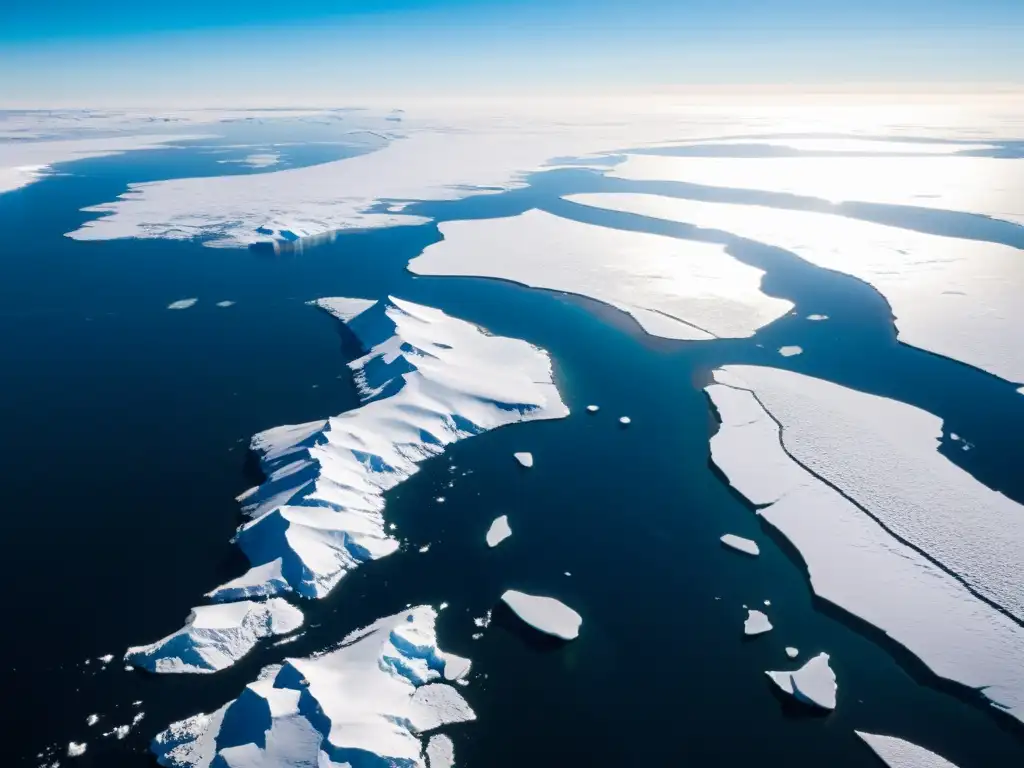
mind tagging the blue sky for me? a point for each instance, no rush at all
(116, 52)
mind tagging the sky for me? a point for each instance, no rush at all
(56, 53)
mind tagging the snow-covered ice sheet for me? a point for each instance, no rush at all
(897, 753)
(676, 289)
(814, 683)
(983, 185)
(499, 531)
(741, 544)
(882, 455)
(368, 703)
(427, 381)
(216, 636)
(955, 297)
(546, 614)
(851, 145)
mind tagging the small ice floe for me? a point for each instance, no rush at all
(119, 732)
(767, 602)
(625, 421)
(424, 548)
(138, 718)
(790, 350)
(897, 753)
(440, 499)
(92, 719)
(182, 303)
(225, 303)
(545, 614)
(442, 606)
(75, 749)
(137, 703)
(477, 635)
(814, 683)
(741, 544)
(440, 752)
(816, 318)
(756, 624)
(792, 652)
(568, 574)
(499, 531)
(129, 668)
(106, 659)
(525, 459)
(483, 621)
(593, 408)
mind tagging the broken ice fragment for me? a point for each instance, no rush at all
(814, 683)
(741, 544)
(182, 303)
(792, 652)
(545, 614)
(499, 531)
(625, 420)
(756, 624)
(525, 459)
(790, 351)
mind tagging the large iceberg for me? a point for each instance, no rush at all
(367, 703)
(427, 381)
(890, 530)
(955, 297)
(982, 185)
(677, 289)
(897, 753)
(216, 636)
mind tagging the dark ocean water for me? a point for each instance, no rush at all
(123, 444)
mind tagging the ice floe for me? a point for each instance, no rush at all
(216, 636)
(790, 351)
(625, 421)
(882, 457)
(106, 658)
(676, 289)
(546, 614)
(814, 683)
(225, 304)
(983, 185)
(592, 409)
(440, 752)
(846, 145)
(257, 160)
(76, 748)
(182, 304)
(792, 652)
(817, 318)
(92, 719)
(897, 753)
(525, 459)
(955, 297)
(757, 623)
(427, 381)
(365, 703)
(741, 544)
(499, 531)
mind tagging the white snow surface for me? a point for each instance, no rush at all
(982, 185)
(525, 459)
(427, 381)
(676, 289)
(440, 752)
(546, 614)
(814, 683)
(757, 623)
(954, 297)
(897, 753)
(950, 296)
(499, 531)
(367, 701)
(741, 544)
(22, 162)
(216, 636)
(882, 455)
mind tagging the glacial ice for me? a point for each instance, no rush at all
(897, 753)
(546, 614)
(954, 297)
(790, 351)
(757, 623)
(499, 531)
(814, 683)
(676, 289)
(216, 636)
(182, 304)
(366, 703)
(882, 455)
(525, 459)
(741, 544)
(986, 186)
(427, 381)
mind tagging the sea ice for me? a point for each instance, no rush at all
(119, 732)
(525, 459)
(814, 683)
(882, 455)
(592, 409)
(427, 381)
(216, 636)
(897, 753)
(257, 160)
(368, 700)
(792, 652)
(817, 318)
(225, 303)
(741, 544)
(790, 351)
(677, 289)
(182, 304)
(440, 752)
(756, 624)
(75, 749)
(546, 614)
(954, 297)
(106, 659)
(986, 186)
(499, 531)
(625, 421)
(92, 719)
